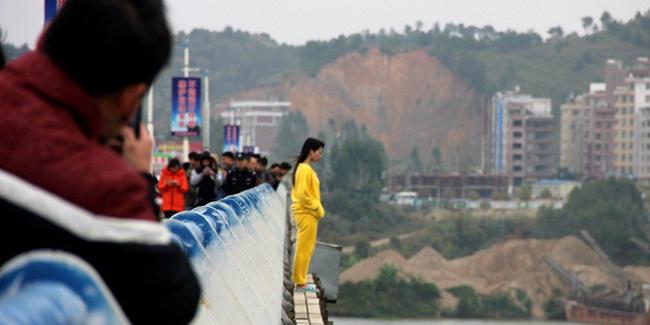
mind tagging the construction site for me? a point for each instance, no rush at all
(593, 288)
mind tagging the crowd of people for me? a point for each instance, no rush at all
(206, 178)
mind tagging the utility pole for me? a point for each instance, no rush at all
(206, 110)
(150, 119)
(186, 73)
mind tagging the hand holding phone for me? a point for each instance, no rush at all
(137, 120)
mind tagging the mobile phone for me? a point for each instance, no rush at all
(137, 120)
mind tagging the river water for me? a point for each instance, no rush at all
(368, 321)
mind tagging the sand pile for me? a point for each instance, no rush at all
(369, 267)
(501, 268)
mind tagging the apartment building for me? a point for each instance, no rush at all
(258, 122)
(521, 137)
(587, 138)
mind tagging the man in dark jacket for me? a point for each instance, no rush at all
(239, 178)
(61, 104)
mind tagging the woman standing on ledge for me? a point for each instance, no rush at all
(307, 210)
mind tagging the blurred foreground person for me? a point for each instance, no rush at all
(61, 104)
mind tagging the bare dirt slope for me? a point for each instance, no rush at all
(501, 268)
(405, 100)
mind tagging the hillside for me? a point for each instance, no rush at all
(405, 100)
(419, 76)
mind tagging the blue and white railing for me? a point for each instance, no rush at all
(237, 247)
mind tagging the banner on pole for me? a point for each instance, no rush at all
(231, 138)
(186, 107)
(51, 8)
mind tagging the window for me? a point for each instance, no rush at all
(516, 123)
(516, 157)
(516, 145)
(517, 135)
(516, 168)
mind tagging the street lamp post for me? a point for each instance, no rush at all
(186, 73)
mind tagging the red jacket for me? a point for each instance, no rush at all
(49, 135)
(173, 196)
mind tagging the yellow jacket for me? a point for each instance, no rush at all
(305, 195)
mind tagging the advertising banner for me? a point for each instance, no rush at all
(231, 138)
(186, 107)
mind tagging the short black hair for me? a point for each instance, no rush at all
(263, 161)
(106, 45)
(228, 154)
(194, 155)
(285, 165)
(205, 156)
(174, 162)
(274, 165)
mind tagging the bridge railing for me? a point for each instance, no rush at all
(237, 247)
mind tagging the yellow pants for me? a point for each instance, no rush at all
(307, 227)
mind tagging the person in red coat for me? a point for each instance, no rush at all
(173, 186)
(60, 106)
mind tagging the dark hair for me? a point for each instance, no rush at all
(2, 56)
(228, 154)
(194, 155)
(205, 156)
(285, 165)
(263, 161)
(174, 162)
(106, 45)
(185, 166)
(311, 144)
(273, 165)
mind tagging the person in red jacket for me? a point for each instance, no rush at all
(61, 105)
(173, 186)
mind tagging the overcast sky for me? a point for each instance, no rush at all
(296, 21)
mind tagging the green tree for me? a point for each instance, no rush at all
(556, 32)
(359, 163)
(362, 249)
(291, 134)
(499, 196)
(395, 243)
(473, 196)
(587, 21)
(546, 194)
(606, 20)
(611, 210)
(416, 163)
(524, 193)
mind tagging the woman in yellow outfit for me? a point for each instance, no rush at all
(307, 209)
